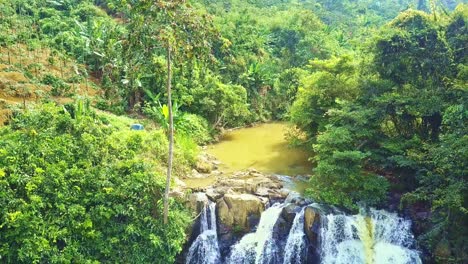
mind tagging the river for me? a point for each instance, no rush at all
(264, 148)
(314, 234)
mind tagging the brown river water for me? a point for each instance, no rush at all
(263, 148)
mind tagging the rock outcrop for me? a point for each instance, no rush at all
(196, 201)
(240, 198)
(235, 210)
(252, 182)
(312, 229)
(311, 224)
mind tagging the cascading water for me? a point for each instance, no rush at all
(379, 238)
(258, 247)
(296, 246)
(205, 249)
(376, 237)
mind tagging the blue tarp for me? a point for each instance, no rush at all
(137, 127)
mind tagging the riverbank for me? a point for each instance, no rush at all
(259, 149)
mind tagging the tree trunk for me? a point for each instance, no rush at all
(171, 136)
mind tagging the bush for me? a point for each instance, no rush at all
(70, 192)
(59, 87)
(196, 127)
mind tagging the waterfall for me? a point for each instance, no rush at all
(372, 237)
(205, 249)
(296, 245)
(259, 247)
(379, 237)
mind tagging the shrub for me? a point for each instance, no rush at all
(59, 87)
(70, 192)
(196, 127)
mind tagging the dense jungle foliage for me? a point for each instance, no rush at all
(394, 117)
(76, 188)
(375, 90)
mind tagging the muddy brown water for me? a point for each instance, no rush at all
(264, 148)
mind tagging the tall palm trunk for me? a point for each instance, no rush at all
(171, 136)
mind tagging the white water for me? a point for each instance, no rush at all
(205, 249)
(380, 238)
(296, 246)
(376, 237)
(259, 247)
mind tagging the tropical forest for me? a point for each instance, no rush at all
(234, 131)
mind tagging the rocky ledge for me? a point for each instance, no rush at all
(240, 198)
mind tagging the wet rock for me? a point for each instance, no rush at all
(214, 194)
(281, 229)
(292, 197)
(312, 230)
(275, 195)
(289, 212)
(197, 201)
(284, 193)
(264, 200)
(312, 225)
(235, 209)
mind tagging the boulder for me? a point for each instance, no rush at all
(275, 195)
(179, 183)
(235, 210)
(262, 191)
(284, 192)
(206, 163)
(202, 166)
(178, 191)
(197, 175)
(312, 230)
(214, 194)
(312, 225)
(292, 197)
(236, 185)
(197, 201)
(253, 182)
(289, 212)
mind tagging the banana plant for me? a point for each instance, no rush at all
(160, 112)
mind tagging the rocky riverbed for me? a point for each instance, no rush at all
(240, 197)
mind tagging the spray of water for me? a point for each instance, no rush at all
(258, 247)
(205, 249)
(379, 238)
(296, 245)
(374, 237)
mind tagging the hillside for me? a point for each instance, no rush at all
(34, 76)
(373, 92)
